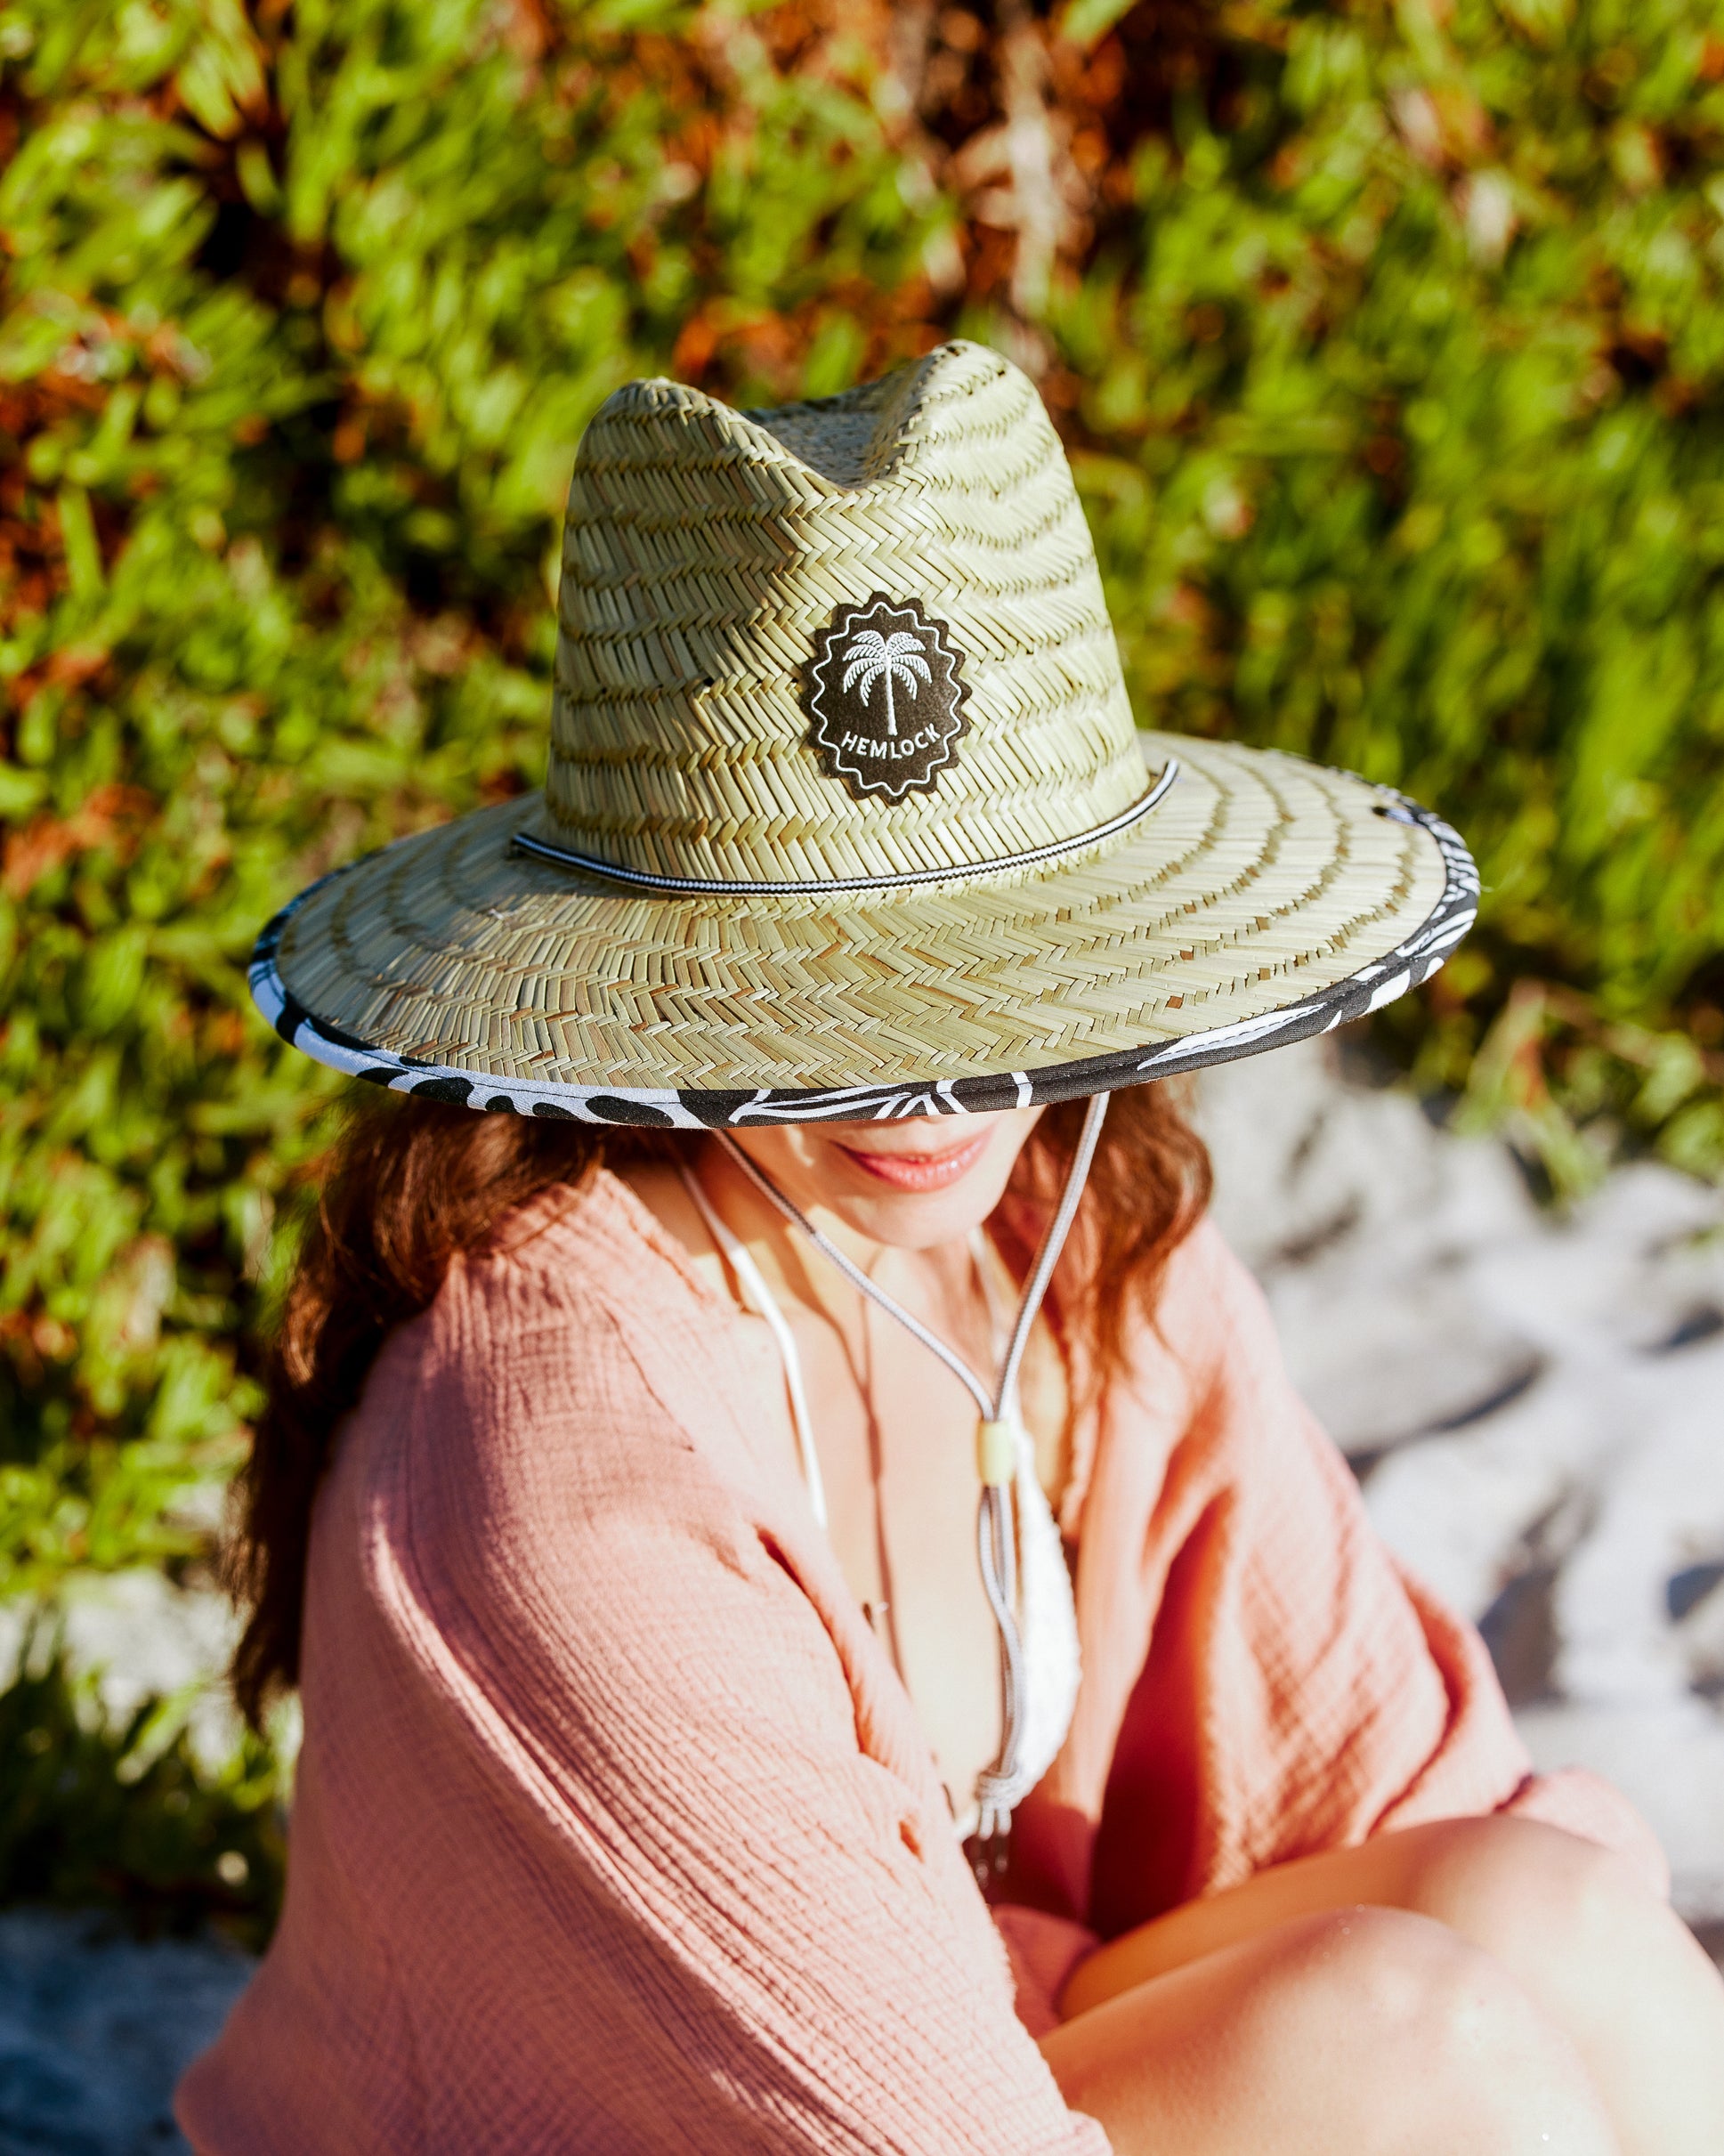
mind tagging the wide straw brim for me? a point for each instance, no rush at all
(1265, 898)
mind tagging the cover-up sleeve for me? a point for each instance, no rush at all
(651, 1890)
(1301, 1691)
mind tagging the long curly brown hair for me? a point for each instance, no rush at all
(412, 1185)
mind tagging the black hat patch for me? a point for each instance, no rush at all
(884, 698)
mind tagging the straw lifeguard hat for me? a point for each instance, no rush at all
(846, 815)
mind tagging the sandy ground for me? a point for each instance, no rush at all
(1533, 1404)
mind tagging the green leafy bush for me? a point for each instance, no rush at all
(1387, 342)
(1402, 377)
(129, 1816)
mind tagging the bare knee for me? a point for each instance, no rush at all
(1543, 1900)
(1428, 2042)
(1605, 1959)
(1365, 2030)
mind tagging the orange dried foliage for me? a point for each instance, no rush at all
(109, 816)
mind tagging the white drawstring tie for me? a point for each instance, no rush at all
(1006, 1466)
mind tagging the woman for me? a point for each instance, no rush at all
(693, 1758)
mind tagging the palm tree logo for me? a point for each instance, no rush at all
(903, 740)
(869, 657)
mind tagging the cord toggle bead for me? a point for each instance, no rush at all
(996, 1454)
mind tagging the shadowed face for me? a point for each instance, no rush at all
(913, 1185)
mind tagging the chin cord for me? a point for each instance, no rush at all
(998, 1789)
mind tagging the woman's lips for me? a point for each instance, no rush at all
(920, 1170)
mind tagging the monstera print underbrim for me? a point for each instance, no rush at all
(1263, 899)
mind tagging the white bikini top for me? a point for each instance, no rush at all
(1047, 1615)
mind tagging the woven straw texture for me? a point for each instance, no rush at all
(705, 552)
(1259, 881)
(706, 549)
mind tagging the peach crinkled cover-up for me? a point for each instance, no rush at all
(614, 1828)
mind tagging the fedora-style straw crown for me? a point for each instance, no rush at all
(845, 813)
(707, 552)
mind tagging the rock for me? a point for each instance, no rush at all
(1356, 1214)
(1532, 1401)
(95, 2030)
